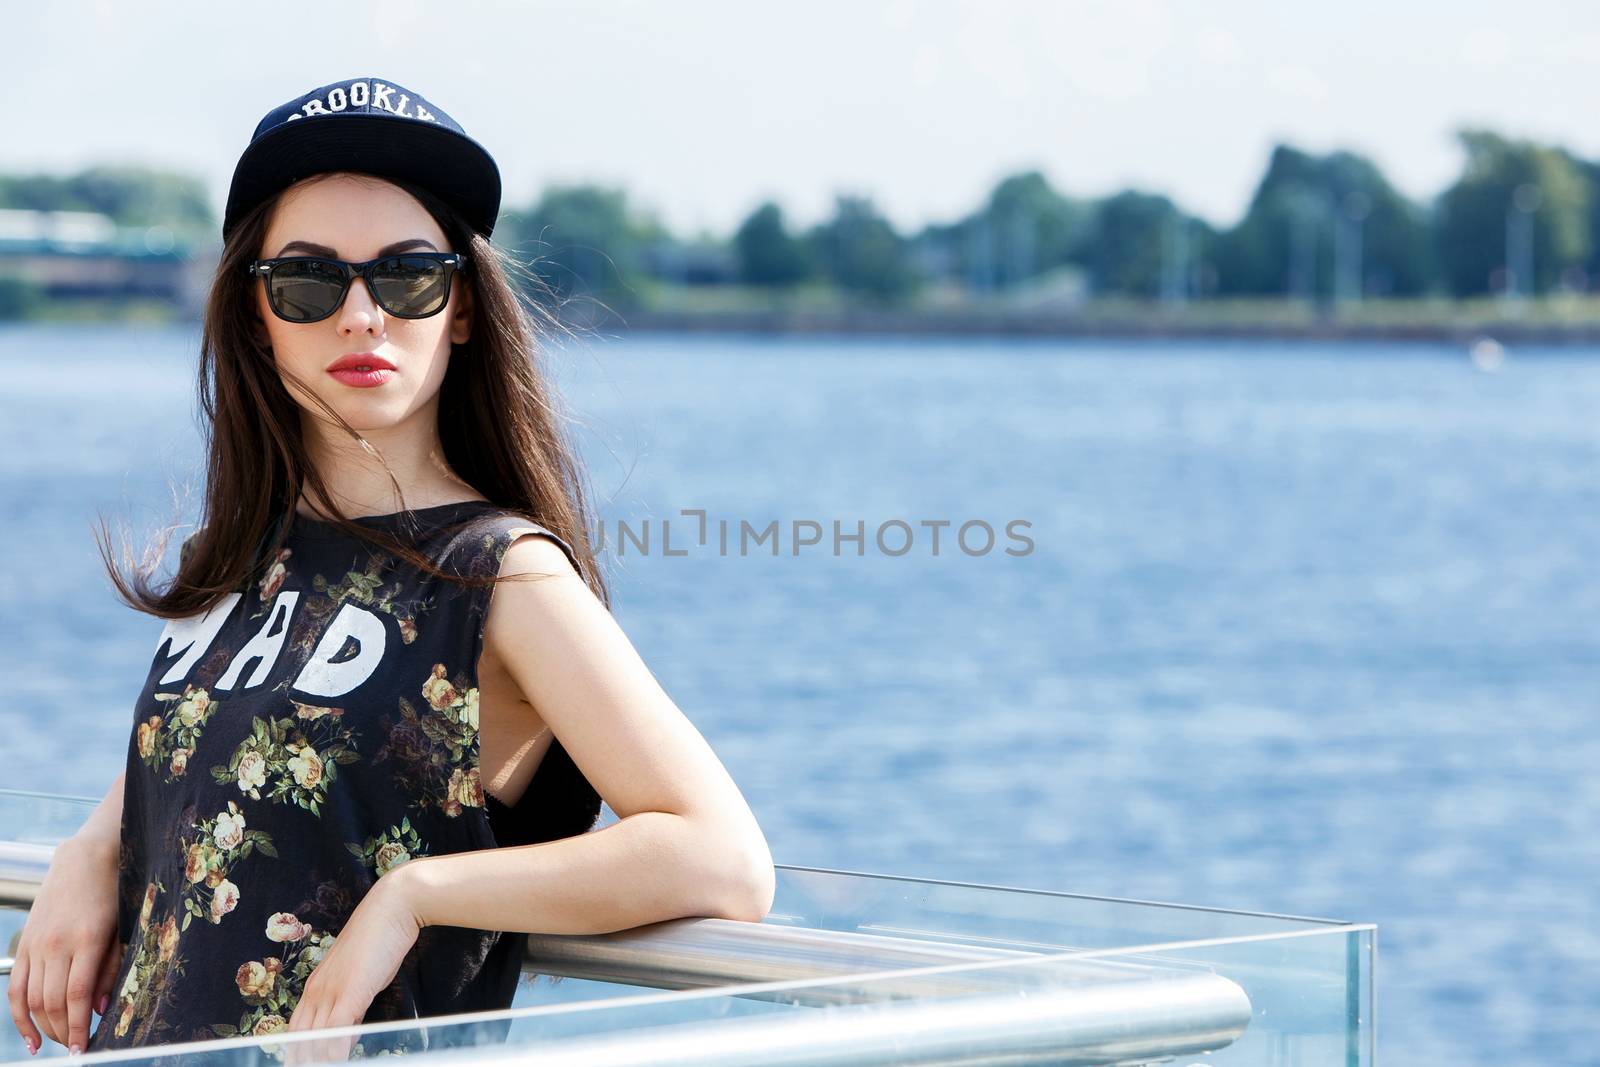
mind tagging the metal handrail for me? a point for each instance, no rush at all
(1091, 1011)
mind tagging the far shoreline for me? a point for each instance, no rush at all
(586, 318)
(889, 323)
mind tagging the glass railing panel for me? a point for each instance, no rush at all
(41, 818)
(1004, 917)
(879, 969)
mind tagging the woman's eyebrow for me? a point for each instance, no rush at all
(311, 248)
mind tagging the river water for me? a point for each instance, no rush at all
(1302, 628)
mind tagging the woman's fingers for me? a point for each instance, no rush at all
(64, 939)
(36, 998)
(82, 976)
(17, 997)
(56, 970)
(56, 997)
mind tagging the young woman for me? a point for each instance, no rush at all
(390, 693)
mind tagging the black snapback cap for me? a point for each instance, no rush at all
(372, 125)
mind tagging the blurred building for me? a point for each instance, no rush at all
(66, 255)
(698, 263)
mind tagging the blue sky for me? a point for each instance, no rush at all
(703, 109)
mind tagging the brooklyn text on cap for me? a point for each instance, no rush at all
(372, 125)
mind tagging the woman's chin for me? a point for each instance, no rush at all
(369, 413)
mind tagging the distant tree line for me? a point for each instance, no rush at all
(1521, 217)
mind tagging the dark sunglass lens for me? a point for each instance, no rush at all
(410, 285)
(306, 290)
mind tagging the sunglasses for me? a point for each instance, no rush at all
(412, 285)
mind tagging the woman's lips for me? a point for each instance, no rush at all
(363, 379)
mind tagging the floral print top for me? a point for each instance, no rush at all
(292, 745)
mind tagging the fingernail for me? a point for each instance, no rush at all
(74, 1049)
(104, 998)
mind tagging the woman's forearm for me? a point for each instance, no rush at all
(103, 827)
(641, 869)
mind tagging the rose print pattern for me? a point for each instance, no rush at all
(155, 957)
(273, 580)
(221, 842)
(330, 898)
(433, 747)
(294, 765)
(166, 741)
(368, 589)
(463, 790)
(389, 849)
(272, 985)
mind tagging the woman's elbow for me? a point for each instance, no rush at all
(750, 893)
(765, 886)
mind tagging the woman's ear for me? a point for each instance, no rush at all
(461, 321)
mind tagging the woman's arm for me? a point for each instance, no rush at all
(685, 843)
(104, 825)
(641, 869)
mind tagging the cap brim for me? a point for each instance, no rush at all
(450, 164)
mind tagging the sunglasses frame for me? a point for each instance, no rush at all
(453, 262)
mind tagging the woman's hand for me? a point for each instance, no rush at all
(67, 954)
(365, 957)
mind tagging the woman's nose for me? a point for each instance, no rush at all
(358, 302)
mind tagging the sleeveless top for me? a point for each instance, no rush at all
(311, 732)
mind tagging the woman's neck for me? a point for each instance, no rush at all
(358, 483)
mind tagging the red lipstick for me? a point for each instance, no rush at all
(363, 370)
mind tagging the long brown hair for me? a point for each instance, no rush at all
(500, 426)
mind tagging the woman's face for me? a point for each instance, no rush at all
(357, 218)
